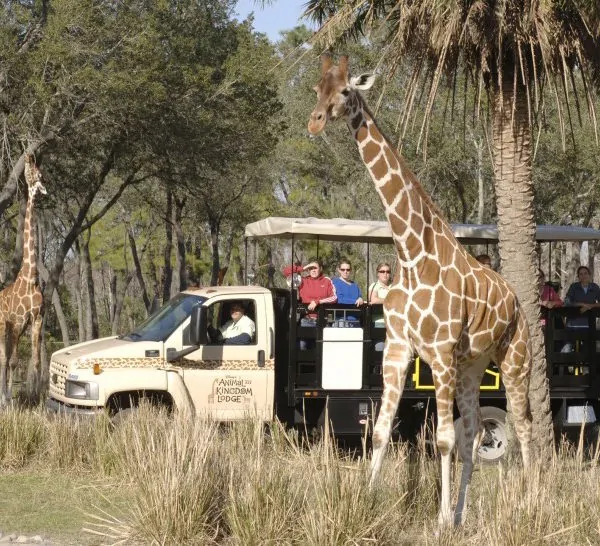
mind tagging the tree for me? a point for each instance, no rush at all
(509, 50)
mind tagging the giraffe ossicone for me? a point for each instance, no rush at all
(21, 302)
(452, 311)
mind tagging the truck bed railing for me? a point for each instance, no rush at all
(572, 342)
(573, 372)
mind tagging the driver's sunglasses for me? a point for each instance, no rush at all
(384, 271)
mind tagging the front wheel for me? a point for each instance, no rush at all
(494, 442)
(123, 415)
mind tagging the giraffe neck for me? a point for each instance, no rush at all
(413, 217)
(29, 271)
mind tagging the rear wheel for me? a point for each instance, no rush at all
(494, 442)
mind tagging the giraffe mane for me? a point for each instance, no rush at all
(414, 181)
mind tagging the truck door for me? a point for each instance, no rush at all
(227, 381)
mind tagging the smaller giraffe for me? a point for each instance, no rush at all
(21, 302)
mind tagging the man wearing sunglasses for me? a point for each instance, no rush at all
(348, 292)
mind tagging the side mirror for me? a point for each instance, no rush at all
(199, 325)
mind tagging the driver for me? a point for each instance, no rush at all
(237, 331)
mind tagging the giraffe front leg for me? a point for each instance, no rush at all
(467, 399)
(396, 357)
(4, 351)
(34, 372)
(444, 378)
(12, 361)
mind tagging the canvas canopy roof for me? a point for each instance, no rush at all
(376, 231)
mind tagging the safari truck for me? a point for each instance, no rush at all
(171, 360)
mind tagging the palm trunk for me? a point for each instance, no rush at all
(516, 232)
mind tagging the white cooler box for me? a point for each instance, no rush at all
(342, 358)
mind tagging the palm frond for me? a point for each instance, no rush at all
(524, 43)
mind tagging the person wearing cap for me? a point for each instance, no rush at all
(293, 275)
(237, 331)
(316, 288)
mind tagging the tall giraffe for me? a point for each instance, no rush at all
(444, 306)
(21, 302)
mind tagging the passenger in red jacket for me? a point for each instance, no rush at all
(316, 288)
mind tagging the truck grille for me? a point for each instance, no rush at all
(58, 375)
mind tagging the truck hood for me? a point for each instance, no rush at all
(107, 350)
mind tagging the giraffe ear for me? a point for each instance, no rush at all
(362, 82)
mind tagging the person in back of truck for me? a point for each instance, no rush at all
(377, 293)
(348, 292)
(380, 288)
(485, 260)
(237, 331)
(293, 275)
(314, 290)
(585, 295)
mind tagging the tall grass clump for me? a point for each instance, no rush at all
(177, 477)
(265, 495)
(79, 444)
(557, 503)
(22, 436)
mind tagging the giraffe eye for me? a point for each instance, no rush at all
(345, 92)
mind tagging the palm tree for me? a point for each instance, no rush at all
(509, 51)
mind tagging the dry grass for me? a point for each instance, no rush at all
(194, 482)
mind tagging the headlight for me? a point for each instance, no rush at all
(81, 389)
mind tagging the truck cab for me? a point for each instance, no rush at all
(157, 361)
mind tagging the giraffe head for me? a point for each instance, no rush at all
(336, 93)
(33, 176)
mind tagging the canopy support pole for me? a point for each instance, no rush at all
(368, 268)
(246, 261)
(292, 266)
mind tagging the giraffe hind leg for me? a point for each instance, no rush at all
(444, 379)
(467, 399)
(396, 358)
(515, 376)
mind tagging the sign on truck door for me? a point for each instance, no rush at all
(230, 382)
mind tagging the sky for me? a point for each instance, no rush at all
(280, 15)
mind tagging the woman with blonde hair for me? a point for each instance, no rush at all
(379, 289)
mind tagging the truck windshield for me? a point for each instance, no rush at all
(160, 325)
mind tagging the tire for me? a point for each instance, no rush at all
(123, 416)
(494, 443)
